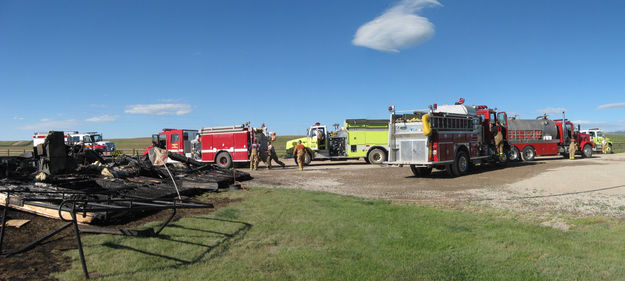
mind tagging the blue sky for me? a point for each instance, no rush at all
(131, 68)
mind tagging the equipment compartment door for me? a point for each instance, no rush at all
(414, 151)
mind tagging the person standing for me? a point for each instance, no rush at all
(604, 146)
(498, 129)
(254, 156)
(572, 149)
(300, 152)
(271, 154)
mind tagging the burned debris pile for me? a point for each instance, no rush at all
(54, 173)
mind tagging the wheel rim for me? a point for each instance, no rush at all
(376, 157)
(223, 160)
(463, 164)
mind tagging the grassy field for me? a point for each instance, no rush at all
(277, 234)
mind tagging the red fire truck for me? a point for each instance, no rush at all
(447, 137)
(543, 136)
(220, 145)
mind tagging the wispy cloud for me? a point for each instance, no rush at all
(397, 28)
(102, 118)
(612, 105)
(170, 100)
(159, 109)
(552, 110)
(46, 124)
(18, 118)
(590, 123)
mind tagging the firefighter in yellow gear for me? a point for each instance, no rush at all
(572, 149)
(271, 155)
(300, 152)
(254, 157)
(604, 146)
(499, 134)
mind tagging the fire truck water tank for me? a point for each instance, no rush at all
(548, 127)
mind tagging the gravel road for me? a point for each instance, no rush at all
(592, 186)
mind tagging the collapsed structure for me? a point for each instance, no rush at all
(58, 172)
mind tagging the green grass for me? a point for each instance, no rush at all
(280, 144)
(276, 234)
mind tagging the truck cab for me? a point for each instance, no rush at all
(598, 137)
(176, 140)
(317, 136)
(358, 138)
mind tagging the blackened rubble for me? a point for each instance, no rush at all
(57, 171)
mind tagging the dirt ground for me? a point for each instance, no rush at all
(584, 186)
(41, 261)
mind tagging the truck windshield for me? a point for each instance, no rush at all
(96, 138)
(600, 134)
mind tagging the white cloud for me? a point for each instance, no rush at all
(51, 124)
(102, 118)
(159, 109)
(590, 123)
(398, 27)
(612, 105)
(552, 110)
(18, 118)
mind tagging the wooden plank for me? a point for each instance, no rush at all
(16, 223)
(47, 212)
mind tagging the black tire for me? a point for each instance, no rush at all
(528, 153)
(451, 170)
(420, 171)
(587, 151)
(307, 159)
(224, 160)
(460, 166)
(462, 163)
(515, 154)
(376, 156)
(610, 150)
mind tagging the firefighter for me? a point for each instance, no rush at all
(254, 159)
(572, 149)
(499, 133)
(196, 147)
(300, 152)
(604, 146)
(271, 154)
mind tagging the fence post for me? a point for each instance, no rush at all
(134, 152)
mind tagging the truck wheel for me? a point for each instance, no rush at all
(587, 151)
(515, 154)
(420, 171)
(307, 159)
(376, 156)
(609, 149)
(224, 160)
(460, 166)
(528, 153)
(462, 163)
